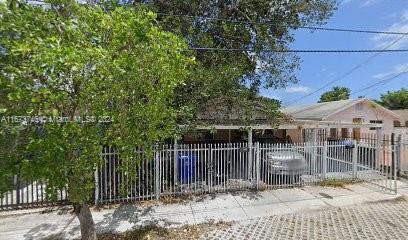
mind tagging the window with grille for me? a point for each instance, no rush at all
(375, 122)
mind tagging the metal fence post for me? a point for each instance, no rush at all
(257, 164)
(250, 158)
(397, 152)
(379, 148)
(18, 187)
(403, 153)
(354, 160)
(157, 174)
(314, 145)
(211, 169)
(175, 170)
(324, 159)
(96, 185)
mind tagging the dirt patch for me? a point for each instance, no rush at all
(338, 183)
(169, 199)
(161, 233)
(393, 200)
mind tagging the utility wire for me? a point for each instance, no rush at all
(378, 52)
(299, 50)
(380, 82)
(352, 70)
(282, 25)
(383, 81)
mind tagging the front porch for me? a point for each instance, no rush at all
(299, 131)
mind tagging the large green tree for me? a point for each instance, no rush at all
(234, 78)
(395, 99)
(91, 63)
(99, 76)
(336, 94)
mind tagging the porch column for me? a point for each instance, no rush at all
(328, 134)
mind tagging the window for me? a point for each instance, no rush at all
(344, 133)
(333, 132)
(357, 120)
(359, 106)
(375, 122)
(397, 124)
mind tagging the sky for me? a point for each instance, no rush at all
(317, 69)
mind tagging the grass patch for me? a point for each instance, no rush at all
(400, 199)
(161, 233)
(336, 183)
(169, 199)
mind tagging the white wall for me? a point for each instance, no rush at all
(366, 111)
(403, 131)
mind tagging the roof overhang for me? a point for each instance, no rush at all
(298, 124)
(374, 104)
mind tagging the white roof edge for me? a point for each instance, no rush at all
(363, 100)
(352, 103)
(314, 106)
(387, 110)
(303, 124)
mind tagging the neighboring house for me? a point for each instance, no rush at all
(355, 111)
(401, 125)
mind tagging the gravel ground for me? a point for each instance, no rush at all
(376, 220)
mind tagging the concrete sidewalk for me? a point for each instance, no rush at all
(240, 206)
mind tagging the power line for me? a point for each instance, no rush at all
(356, 67)
(283, 25)
(380, 82)
(368, 87)
(378, 52)
(299, 50)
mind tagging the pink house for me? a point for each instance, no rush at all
(347, 111)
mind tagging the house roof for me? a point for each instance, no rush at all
(308, 116)
(221, 111)
(321, 111)
(403, 114)
(318, 111)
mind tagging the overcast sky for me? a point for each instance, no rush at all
(318, 69)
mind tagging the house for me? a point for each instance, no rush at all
(352, 111)
(299, 125)
(401, 125)
(401, 128)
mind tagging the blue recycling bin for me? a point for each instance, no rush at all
(348, 144)
(186, 168)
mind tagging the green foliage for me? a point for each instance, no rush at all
(233, 79)
(336, 94)
(395, 99)
(86, 65)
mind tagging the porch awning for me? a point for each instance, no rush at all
(297, 124)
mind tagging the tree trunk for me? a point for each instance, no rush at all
(86, 222)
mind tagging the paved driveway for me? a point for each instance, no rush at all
(376, 220)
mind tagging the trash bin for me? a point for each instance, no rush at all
(348, 144)
(186, 168)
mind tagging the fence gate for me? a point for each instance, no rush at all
(378, 161)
